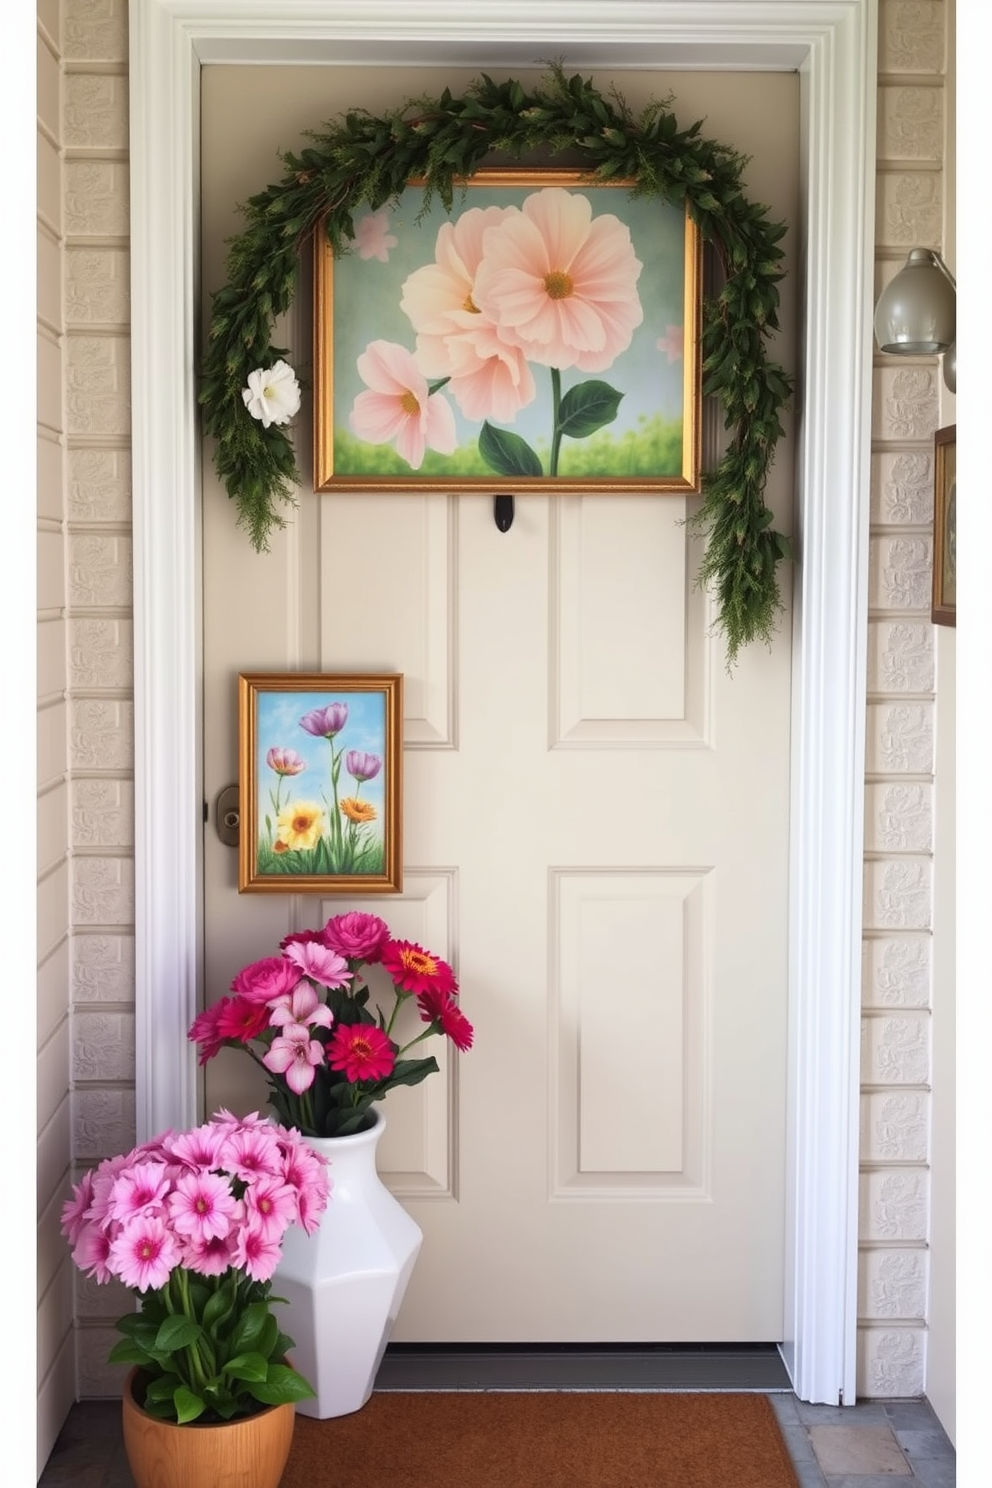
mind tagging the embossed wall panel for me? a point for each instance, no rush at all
(615, 680)
(419, 566)
(648, 927)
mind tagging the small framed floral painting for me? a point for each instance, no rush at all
(944, 600)
(320, 783)
(543, 335)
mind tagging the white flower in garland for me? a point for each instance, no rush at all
(272, 394)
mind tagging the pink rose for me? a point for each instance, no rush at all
(265, 980)
(357, 936)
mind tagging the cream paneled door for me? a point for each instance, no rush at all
(596, 835)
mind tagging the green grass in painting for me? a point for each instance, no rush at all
(318, 861)
(653, 450)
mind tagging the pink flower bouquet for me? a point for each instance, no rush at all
(194, 1223)
(304, 1017)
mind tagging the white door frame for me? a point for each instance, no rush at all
(832, 44)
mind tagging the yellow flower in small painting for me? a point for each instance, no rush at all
(356, 810)
(299, 826)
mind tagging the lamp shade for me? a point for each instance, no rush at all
(916, 311)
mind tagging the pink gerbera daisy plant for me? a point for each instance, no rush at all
(193, 1223)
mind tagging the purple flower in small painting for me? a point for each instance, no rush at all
(324, 723)
(285, 761)
(372, 236)
(361, 765)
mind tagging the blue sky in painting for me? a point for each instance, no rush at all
(277, 724)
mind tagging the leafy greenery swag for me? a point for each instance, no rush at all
(362, 161)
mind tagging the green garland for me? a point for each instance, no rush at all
(362, 161)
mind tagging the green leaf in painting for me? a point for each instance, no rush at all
(507, 453)
(588, 407)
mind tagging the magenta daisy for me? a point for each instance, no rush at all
(270, 1205)
(362, 1051)
(256, 1253)
(417, 970)
(202, 1206)
(139, 1190)
(204, 1033)
(442, 1008)
(144, 1253)
(249, 1150)
(242, 1019)
(209, 1257)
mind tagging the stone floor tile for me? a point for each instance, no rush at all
(932, 1443)
(866, 1449)
(868, 1480)
(809, 1474)
(934, 1472)
(913, 1415)
(785, 1408)
(796, 1438)
(842, 1415)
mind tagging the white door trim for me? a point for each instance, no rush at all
(832, 44)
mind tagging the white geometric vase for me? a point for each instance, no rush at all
(344, 1284)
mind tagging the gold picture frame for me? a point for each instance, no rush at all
(944, 596)
(417, 387)
(341, 833)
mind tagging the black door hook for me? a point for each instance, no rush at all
(503, 512)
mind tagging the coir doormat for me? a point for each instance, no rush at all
(539, 1439)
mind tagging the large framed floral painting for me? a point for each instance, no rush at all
(543, 334)
(320, 787)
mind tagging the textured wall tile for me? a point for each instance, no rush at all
(50, 570)
(896, 971)
(910, 123)
(891, 1362)
(97, 198)
(52, 826)
(99, 485)
(94, 112)
(47, 89)
(52, 756)
(49, 187)
(95, 1378)
(893, 1284)
(51, 676)
(899, 817)
(899, 894)
(909, 209)
(895, 1126)
(103, 891)
(101, 653)
(109, 1299)
(102, 1046)
(100, 571)
(50, 476)
(49, 280)
(102, 1123)
(895, 1204)
(896, 1049)
(103, 968)
(900, 573)
(102, 813)
(900, 738)
(911, 36)
(95, 30)
(102, 734)
(900, 656)
(97, 286)
(49, 370)
(98, 385)
(905, 402)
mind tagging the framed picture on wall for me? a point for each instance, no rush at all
(944, 602)
(320, 791)
(543, 334)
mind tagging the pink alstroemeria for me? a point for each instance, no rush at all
(285, 761)
(317, 961)
(294, 1056)
(372, 236)
(490, 378)
(560, 283)
(396, 407)
(303, 1007)
(144, 1253)
(361, 765)
(202, 1206)
(324, 723)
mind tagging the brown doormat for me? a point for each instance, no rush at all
(544, 1439)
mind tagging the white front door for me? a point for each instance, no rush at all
(595, 832)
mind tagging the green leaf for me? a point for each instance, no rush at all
(250, 1367)
(588, 407)
(188, 1406)
(177, 1332)
(127, 1351)
(249, 1326)
(282, 1384)
(507, 453)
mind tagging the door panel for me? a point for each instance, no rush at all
(595, 835)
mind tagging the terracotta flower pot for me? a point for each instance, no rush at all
(248, 1453)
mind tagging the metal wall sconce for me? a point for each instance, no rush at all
(916, 314)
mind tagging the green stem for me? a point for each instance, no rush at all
(556, 414)
(401, 998)
(431, 1028)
